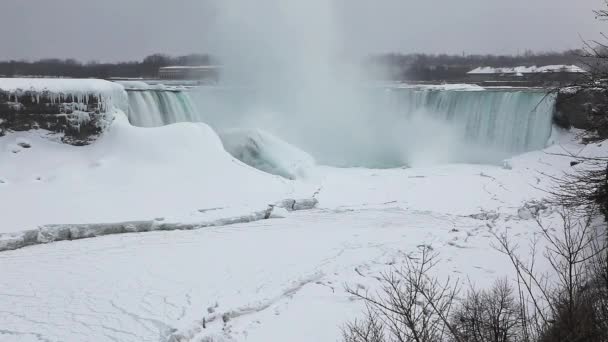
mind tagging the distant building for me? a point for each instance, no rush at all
(534, 75)
(203, 72)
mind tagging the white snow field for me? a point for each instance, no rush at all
(280, 279)
(129, 173)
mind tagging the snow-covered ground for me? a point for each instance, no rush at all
(130, 173)
(277, 279)
(272, 280)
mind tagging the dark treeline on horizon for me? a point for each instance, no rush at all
(54, 67)
(419, 67)
(443, 67)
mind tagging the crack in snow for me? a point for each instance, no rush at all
(226, 316)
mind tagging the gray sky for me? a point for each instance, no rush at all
(110, 30)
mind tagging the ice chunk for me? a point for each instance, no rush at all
(278, 212)
(267, 153)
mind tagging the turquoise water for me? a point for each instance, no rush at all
(372, 127)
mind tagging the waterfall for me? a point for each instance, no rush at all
(511, 121)
(158, 107)
(397, 126)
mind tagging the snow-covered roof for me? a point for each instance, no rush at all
(521, 70)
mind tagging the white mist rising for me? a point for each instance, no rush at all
(282, 60)
(284, 73)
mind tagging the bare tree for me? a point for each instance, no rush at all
(584, 189)
(411, 305)
(559, 304)
(371, 329)
(490, 315)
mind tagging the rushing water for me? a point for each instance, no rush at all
(510, 121)
(401, 126)
(151, 108)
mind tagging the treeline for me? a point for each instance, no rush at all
(54, 67)
(443, 67)
(417, 67)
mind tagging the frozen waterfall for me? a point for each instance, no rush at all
(398, 126)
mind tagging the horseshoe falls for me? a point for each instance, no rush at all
(473, 126)
(399, 126)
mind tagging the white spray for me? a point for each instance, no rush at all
(284, 73)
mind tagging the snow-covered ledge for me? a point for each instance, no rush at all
(77, 109)
(218, 217)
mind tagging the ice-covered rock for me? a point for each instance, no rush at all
(78, 109)
(531, 210)
(267, 153)
(297, 204)
(582, 108)
(278, 212)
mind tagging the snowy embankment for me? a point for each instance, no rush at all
(283, 279)
(165, 177)
(129, 173)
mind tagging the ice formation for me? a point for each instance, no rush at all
(266, 152)
(76, 91)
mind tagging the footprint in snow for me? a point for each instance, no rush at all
(453, 244)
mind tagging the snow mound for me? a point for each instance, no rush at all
(128, 174)
(267, 153)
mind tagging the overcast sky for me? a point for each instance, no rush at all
(111, 30)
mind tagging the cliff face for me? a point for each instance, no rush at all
(78, 110)
(79, 123)
(583, 109)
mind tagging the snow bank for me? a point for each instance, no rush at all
(128, 174)
(196, 285)
(267, 153)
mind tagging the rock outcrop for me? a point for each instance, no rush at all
(585, 109)
(77, 110)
